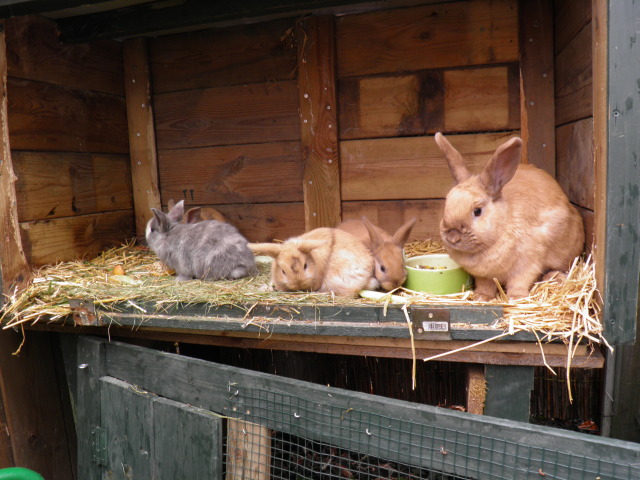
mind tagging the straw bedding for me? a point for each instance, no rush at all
(567, 309)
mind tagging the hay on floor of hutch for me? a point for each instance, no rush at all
(567, 310)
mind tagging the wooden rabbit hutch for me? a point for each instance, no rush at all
(287, 116)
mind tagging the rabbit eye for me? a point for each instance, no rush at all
(477, 212)
(383, 268)
(305, 265)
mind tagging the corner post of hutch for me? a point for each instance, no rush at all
(14, 268)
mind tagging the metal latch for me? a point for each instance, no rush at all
(430, 323)
(99, 446)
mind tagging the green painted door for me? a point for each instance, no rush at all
(135, 434)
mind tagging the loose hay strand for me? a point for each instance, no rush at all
(564, 309)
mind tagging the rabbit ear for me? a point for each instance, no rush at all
(502, 166)
(194, 215)
(176, 212)
(376, 234)
(269, 249)
(163, 219)
(402, 234)
(457, 166)
(307, 245)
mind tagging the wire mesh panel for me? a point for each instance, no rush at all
(275, 427)
(308, 439)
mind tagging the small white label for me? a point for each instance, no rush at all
(435, 326)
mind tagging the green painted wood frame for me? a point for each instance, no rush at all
(429, 437)
(622, 232)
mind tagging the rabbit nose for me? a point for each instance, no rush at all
(453, 236)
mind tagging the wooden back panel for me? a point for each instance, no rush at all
(69, 142)
(229, 124)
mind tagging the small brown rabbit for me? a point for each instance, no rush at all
(386, 249)
(197, 214)
(321, 260)
(511, 222)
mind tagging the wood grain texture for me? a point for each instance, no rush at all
(70, 238)
(570, 17)
(508, 391)
(575, 162)
(164, 374)
(390, 215)
(407, 168)
(461, 100)
(88, 400)
(198, 454)
(14, 268)
(405, 352)
(476, 389)
(318, 117)
(265, 222)
(396, 105)
(439, 36)
(142, 138)
(599, 47)
(477, 100)
(48, 117)
(71, 184)
(536, 84)
(257, 173)
(35, 52)
(262, 52)
(249, 451)
(574, 79)
(253, 113)
(590, 237)
(621, 288)
(129, 431)
(33, 404)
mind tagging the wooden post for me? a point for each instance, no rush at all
(248, 451)
(536, 84)
(14, 268)
(621, 220)
(142, 140)
(318, 117)
(600, 132)
(476, 389)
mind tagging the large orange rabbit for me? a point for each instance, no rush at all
(511, 222)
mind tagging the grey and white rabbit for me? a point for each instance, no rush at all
(207, 250)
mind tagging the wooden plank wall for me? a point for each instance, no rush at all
(69, 143)
(228, 125)
(405, 74)
(574, 107)
(233, 125)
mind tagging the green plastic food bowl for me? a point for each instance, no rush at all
(437, 274)
(19, 473)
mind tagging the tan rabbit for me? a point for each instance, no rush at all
(321, 260)
(386, 249)
(197, 214)
(511, 222)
